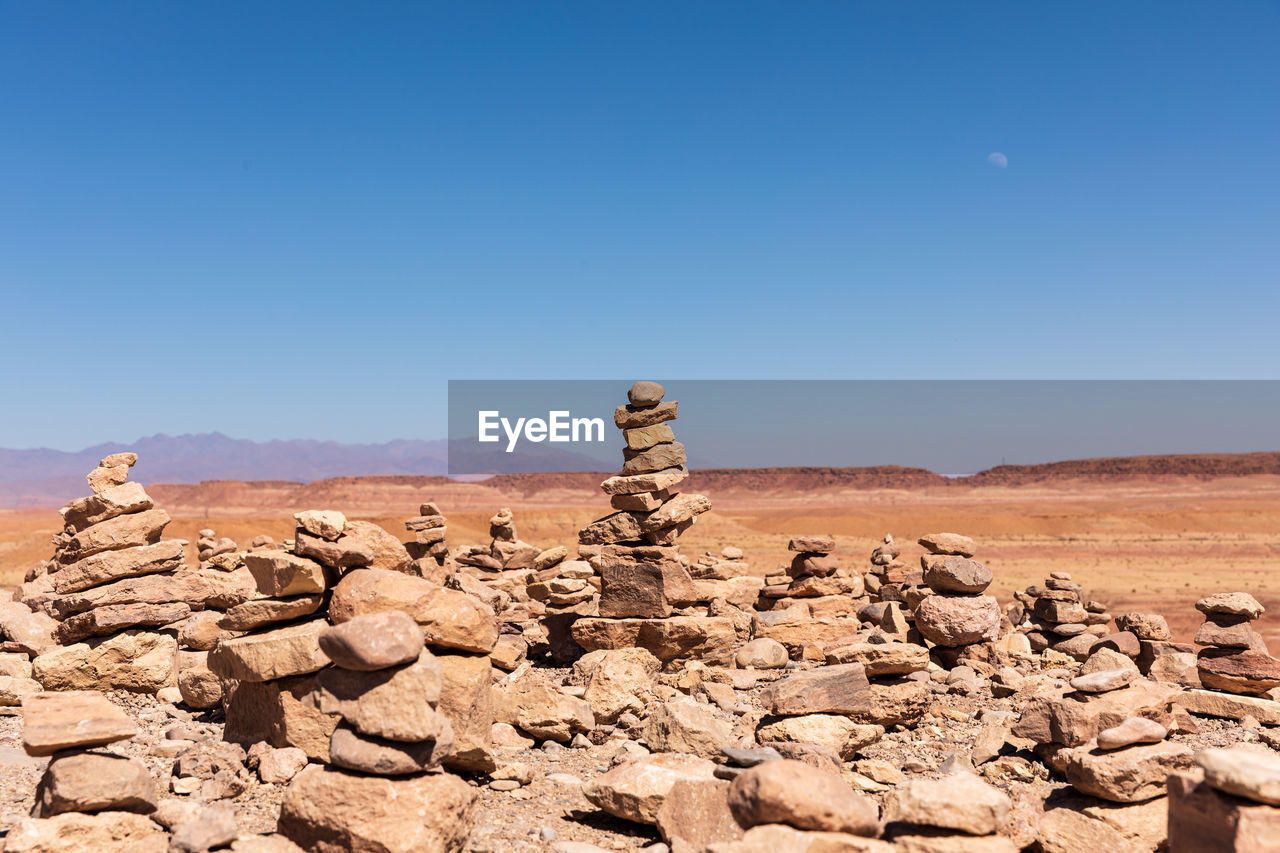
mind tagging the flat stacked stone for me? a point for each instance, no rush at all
(647, 597)
(1234, 658)
(1059, 616)
(120, 594)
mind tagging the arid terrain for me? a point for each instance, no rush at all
(1151, 541)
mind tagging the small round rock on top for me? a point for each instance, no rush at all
(644, 394)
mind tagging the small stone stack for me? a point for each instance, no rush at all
(385, 688)
(814, 579)
(1159, 657)
(956, 616)
(1060, 617)
(889, 576)
(730, 564)
(887, 572)
(558, 582)
(209, 546)
(643, 578)
(1229, 801)
(429, 548)
(86, 798)
(1234, 657)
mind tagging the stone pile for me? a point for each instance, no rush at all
(1229, 801)
(429, 548)
(888, 573)
(86, 796)
(1234, 657)
(647, 597)
(121, 594)
(815, 579)
(957, 616)
(1058, 616)
(209, 546)
(506, 550)
(386, 749)
(809, 604)
(731, 563)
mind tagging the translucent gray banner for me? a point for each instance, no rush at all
(950, 427)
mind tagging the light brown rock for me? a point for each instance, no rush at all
(1125, 775)
(450, 619)
(697, 812)
(280, 653)
(833, 731)
(685, 726)
(94, 782)
(138, 662)
(395, 704)
(948, 543)
(366, 754)
(282, 573)
(373, 641)
(107, 566)
(635, 790)
(960, 802)
(114, 534)
(105, 832)
(1253, 774)
(793, 793)
(52, 722)
(328, 810)
(958, 620)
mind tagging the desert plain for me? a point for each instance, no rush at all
(1148, 543)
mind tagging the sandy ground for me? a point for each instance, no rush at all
(1137, 547)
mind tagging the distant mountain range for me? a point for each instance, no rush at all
(42, 476)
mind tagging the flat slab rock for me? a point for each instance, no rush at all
(73, 719)
(636, 790)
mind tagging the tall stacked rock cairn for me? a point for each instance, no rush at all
(647, 597)
(1060, 616)
(122, 598)
(430, 547)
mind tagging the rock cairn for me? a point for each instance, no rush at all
(643, 578)
(384, 688)
(1058, 616)
(98, 799)
(1229, 801)
(729, 564)
(1234, 657)
(429, 548)
(208, 546)
(809, 603)
(120, 593)
(815, 579)
(957, 615)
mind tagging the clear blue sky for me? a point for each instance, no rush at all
(297, 220)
